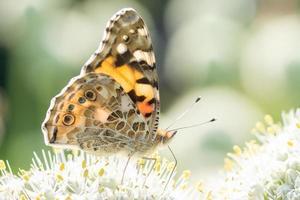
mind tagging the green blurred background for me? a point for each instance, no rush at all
(241, 56)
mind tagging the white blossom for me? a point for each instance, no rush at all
(77, 175)
(266, 168)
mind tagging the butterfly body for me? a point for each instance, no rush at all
(113, 105)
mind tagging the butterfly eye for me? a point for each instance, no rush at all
(68, 119)
(90, 95)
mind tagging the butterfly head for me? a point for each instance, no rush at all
(165, 136)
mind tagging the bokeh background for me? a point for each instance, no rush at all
(241, 56)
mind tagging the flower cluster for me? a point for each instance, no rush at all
(77, 175)
(266, 168)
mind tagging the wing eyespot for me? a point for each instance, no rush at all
(71, 107)
(68, 119)
(81, 100)
(90, 95)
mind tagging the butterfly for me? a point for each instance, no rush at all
(113, 105)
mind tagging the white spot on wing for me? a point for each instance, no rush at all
(125, 103)
(132, 31)
(101, 114)
(125, 37)
(144, 56)
(121, 48)
(142, 32)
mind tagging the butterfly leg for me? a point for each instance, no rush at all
(151, 169)
(175, 165)
(123, 175)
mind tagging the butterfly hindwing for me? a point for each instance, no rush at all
(95, 114)
(126, 55)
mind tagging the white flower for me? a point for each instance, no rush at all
(77, 175)
(268, 168)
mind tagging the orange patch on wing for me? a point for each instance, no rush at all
(128, 73)
(144, 107)
(138, 75)
(126, 76)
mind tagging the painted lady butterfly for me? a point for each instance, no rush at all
(113, 105)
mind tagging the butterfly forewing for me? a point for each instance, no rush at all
(126, 55)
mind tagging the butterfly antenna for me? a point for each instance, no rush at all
(184, 113)
(194, 125)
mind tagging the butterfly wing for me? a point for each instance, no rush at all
(95, 114)
(126, 55)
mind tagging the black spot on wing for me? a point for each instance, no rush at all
(54, 135)
(144, 65)
(143, 80)
(108, 29)
(155, 84)
(123, 58)
(148, 114)
(135, 97)
(141, 65)
(152, 101)
(104, 42)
